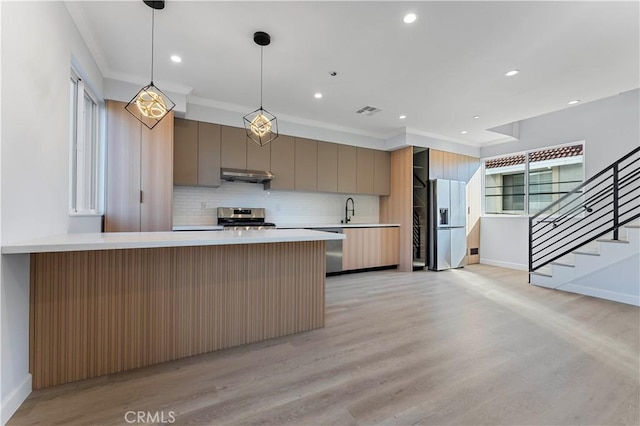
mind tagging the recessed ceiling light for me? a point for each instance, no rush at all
(402, 117)
(573, 102)
(464, 132)
(511, 73)
(318, 95)
(476, 116)
(175, 58)
(410, 18)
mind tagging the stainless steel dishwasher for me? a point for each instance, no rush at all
(334, 251)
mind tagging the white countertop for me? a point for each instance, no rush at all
(130, 240)
(198, 228)
(335, 225)
(292, 226)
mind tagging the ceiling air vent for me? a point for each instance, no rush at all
(368, 110)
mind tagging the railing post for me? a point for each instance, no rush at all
(530, 247)
(615, 201)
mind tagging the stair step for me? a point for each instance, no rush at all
(588, 253)
(607, 240)
(569, 265)
(542, 274)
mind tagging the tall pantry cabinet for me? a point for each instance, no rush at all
(139, 187)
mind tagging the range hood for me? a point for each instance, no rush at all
(240, 175)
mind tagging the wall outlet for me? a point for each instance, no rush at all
(203, 205)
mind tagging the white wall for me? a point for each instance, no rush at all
(39, 44)
(610, 128)
(282, 207)
(504, 241)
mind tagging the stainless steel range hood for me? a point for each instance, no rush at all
(240, 175)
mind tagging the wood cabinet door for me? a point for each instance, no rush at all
(209, 154)
(122, 209)
(156, 176)
(283, 163)
(347, 169)
(258, 157)
(306, 168)
(327, 173)
(185, 152)
(365, 162)
(382, 173)
(233, 152)
(389, 246)
(436, 164)
(370, 248)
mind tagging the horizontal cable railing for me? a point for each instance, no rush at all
(596, 208)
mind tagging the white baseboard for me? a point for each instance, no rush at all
(502, 264)
(14, 400)
(602, 294)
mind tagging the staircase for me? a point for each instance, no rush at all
(588, 241)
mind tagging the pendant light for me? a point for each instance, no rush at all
(150, 104)
(261, 125)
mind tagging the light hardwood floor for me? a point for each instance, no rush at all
(471, 346)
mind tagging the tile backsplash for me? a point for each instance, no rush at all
(197, 205)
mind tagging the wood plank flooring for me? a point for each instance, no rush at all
(473, 346)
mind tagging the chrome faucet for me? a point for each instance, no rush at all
(346, 210)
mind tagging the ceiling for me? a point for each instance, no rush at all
(440, 71)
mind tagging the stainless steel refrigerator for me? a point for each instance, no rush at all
(447, 224)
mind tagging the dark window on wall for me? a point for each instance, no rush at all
(513, 192)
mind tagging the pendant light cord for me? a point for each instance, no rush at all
(261, 68)
(153, 21)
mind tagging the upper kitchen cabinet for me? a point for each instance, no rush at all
(185, 152)
(233, 152)
(282, 163)
(365, 161)
(436, 164)
(258, 157)
(209, 136)
(327, 167)
(196, 153)
(139, 174)
(347, 169)
(306, 165)
(382, 173)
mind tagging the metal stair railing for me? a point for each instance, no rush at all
(598, 206)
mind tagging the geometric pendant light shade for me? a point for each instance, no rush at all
(261, 126)
(150, 104)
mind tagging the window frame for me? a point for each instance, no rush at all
(77, 205)
(526, 153)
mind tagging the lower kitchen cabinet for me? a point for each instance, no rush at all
(370, 248)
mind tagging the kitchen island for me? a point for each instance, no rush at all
(103, 303)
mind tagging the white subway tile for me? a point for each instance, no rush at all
(282, 207)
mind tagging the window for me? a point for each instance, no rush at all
(551, 173)
(85, 154)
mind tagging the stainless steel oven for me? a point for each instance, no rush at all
(243, 218)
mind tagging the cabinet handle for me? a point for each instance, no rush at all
(140, 196)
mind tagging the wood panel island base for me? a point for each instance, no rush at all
(95, 312)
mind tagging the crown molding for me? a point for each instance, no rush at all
(79, 18)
